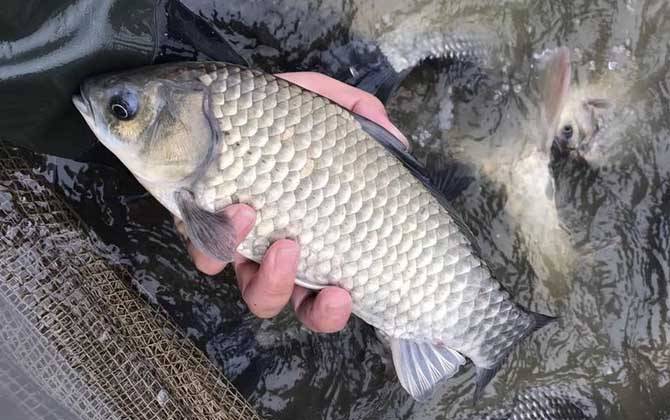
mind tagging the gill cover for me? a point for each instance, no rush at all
(179, 141)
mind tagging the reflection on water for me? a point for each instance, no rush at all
(611, 341)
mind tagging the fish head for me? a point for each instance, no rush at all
(579, 124)
(153, 119)
(573, 116)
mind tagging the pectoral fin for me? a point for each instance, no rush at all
(421, 365)
(212, 233)
(549, 189)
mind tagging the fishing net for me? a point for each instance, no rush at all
(75, 337)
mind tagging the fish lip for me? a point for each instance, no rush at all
(565, 145)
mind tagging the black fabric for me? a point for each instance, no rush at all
(48, 47)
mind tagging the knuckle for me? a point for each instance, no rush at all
(275, 287)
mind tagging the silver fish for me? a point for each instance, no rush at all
(369, 218)
(542, 403)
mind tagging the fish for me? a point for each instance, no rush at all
(518, 160)
(402, 51)
(590, 115)
(556, 402)
(576, 119)
(77, 340)
(369, 218)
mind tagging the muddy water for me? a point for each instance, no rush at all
(610, 344)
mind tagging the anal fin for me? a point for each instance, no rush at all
(212, 233)
(420, 366)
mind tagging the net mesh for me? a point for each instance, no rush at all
(79, 331)
(23, 399)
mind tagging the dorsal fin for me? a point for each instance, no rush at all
(445, 177)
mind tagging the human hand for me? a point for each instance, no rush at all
(268, 287)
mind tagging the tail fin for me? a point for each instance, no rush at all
(484, 375)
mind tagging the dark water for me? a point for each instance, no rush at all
(611, 342)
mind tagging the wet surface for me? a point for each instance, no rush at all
(610, 344)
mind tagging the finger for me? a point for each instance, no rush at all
(267, 289)
(326, 311)
(242, 218)
(347, 96)
(245, 270)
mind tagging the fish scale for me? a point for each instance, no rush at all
(418, 233)
(363, 211)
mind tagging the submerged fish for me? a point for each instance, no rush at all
(369, 218)
(542, 403)
(520, 162)
(579, 119)
(570, 120)
(588, 115)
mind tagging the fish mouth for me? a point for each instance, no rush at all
(564, 144)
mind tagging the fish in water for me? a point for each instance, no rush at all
(369, 218)
(581, 120)
(589, 115)
(576, 119)
(542, 403)
(522, 166)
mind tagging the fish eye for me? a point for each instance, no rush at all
(124, 106)
(567, 131)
